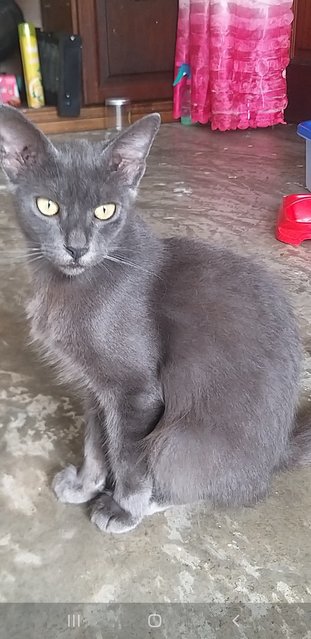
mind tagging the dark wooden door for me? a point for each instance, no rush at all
(299, 69)
(128, 48)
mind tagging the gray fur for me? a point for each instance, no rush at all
(187, 356)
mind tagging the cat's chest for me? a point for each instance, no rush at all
(85, 335)
(57, 323)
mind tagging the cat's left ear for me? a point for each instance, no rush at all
(129, 151)
(22, 145)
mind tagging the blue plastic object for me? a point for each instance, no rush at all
(184, 75)
(304, 130)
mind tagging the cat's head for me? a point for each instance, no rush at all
(73, 201)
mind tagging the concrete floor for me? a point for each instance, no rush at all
(225, 187)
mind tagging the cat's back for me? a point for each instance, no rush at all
(216, 294)
(202, 273)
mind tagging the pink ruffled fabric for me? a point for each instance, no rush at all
(238, 51)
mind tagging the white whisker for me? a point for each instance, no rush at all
(105, 267)
(18, 257)
(35, 259)
(120, 260)
(124, 248)
(19, 252)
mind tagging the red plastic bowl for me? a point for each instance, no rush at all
(294, 221)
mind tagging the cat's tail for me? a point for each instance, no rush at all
(300, 445)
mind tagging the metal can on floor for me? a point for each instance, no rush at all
(119, 110)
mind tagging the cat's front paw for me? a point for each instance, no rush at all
(109, 517)
(70, 489)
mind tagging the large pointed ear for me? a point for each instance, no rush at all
(22, 145)
(129, 151)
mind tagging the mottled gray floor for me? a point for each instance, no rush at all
(225, 188)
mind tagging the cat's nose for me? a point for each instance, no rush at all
(76, 251)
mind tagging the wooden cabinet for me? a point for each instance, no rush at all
(128, 45)
(58, 15)
(299, 70)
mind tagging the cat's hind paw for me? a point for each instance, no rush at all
(109, 517)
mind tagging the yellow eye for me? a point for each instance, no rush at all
(105, 212)
(47, 207)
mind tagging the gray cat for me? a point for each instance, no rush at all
(187, 356)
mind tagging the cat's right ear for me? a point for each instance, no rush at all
(22, 145)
